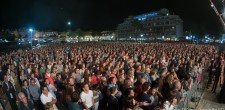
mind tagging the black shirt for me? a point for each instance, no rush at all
(29, 107)
(113, 103)
(145, 98)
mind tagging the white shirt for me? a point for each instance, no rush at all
(167, 106)
(49, 67)
(29, 70)
(45, 99)
(87, 98)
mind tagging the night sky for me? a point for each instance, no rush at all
(102, 14)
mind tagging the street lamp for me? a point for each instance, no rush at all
(69, 23)
(31, 37)
(141, 37)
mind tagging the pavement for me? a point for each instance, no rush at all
(209, 100)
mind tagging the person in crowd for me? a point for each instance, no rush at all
(113, 83)
(217, 76)
(103, 90)
(154, 97)
(146, 75)
(130, 102)
(10, 93)
(70, 88)
(170, 100)
(46, 97)
(211, 71)
(48, 106)
(42, 70)
(49, 77)
(75, 102)
(113, 102)
(168, 84)
(188, 82)
(25, 90)
(97, 95)
(51, 88)
(24, 103)
(35, 92)
(124, 65)
(144, 96)
(36, 80)
(23, 76)
(59, 88)
(87, 97)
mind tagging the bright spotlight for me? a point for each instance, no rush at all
(30, 30)
(212, 5)
(69, 23)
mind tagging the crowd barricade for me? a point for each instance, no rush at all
(193, 96)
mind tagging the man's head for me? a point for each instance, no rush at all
(73, 75)
(75, 97)
(22, 97)
(44, 89)
(77, 71)
(32, 75)
(5, 78)
(71, 81)
(112, 80)
(147, 70)
(46, 81)
(85, 87)
(32, 81)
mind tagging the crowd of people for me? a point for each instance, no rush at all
(107, 76)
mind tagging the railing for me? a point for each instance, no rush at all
(193, 96)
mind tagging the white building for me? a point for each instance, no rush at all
(155, 25)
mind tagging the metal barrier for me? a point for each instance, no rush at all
(193, 96)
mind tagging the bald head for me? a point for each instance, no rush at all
(22, 97)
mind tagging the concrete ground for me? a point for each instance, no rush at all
(209, 100)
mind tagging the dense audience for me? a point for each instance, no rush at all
(107, 76)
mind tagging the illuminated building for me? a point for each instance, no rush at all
(155, 25)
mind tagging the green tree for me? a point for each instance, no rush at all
(79, 33)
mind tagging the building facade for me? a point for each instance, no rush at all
(156, 25)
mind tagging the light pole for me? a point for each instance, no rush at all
(69, 25)
(31, 37)
(141, 37)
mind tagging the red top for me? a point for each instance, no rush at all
(138, 92)
(50, 79)
(96, 79)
